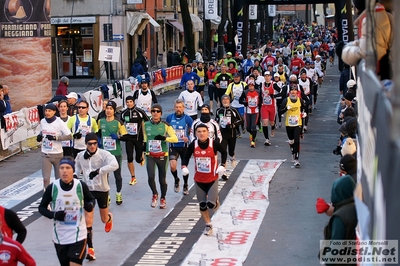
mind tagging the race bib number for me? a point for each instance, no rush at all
(84, 129)
(224, 121)
(293, 120)
(180, 133)
(306, 90)
(210, 82)
(146, 107)
(71, 217)
(66, 143)
(109, 144)
(267, 100)
(236, 95)
(47, 144)
(223, 84)
(132, 128)
(155, 146)
(252, 102)
(203, 165)
(201, 81)
(189, 105)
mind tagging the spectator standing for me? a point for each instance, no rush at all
(170, 57)
(177, 58)
(62, 88)
(6, 91)
(137, 68)
(144, 61)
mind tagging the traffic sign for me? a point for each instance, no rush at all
(118, 37)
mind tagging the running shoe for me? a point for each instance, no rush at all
(296, 164)
(176, 186)
(163, 203)
(154, 201)
(109, 224)
(90, 254)
(238, 136)
(244, 131)
(305, 128)
(185, 189)
(224, 177)
(233, 161)
(280, 124)
(208, 230)
(272, 133)
(133, 181)
(267, 142)
(252, 144)
(118, 198)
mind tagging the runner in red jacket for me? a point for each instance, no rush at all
(296, 65)
(12, 252)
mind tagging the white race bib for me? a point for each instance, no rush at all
(203, 164)
(223, 84)
(180, 133)
(293, 120)
(109, 144)
(155, 146)
(132, 128)
(267, 100)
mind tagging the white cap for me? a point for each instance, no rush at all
(318, 56)
(72, 95)
(267, 73)
(276, 75)
(350, 84)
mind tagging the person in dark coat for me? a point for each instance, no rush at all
(177, 58)
(137, 68)
(170, 56)
(143, 61)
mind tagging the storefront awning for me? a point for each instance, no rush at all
(176, 24)
(197, 23)
(155, 25)
(137, 22)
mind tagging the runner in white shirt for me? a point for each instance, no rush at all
(192, 99)
(145, 97)
(54, 131)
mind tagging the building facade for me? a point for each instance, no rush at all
(79, 29)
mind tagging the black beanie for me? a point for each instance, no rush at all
(112, 104)
(130, 97)
(90, 136)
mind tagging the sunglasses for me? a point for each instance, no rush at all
(155, 111)
(92, 143)
(82, 107)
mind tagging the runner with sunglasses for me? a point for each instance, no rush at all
(156, 135)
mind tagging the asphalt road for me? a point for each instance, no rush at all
(291, 229)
